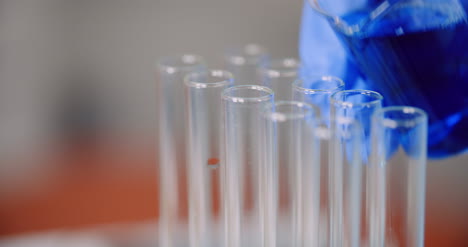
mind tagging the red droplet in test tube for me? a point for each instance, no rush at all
(213, 161)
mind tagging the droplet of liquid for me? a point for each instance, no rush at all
(213, 163)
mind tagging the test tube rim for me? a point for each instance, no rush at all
(236, 99)
(346, 104)
(304, 90)
(275, 116)
(241, 55)
(277, 68)
(168, 63)
(419, 116)
(227, 79)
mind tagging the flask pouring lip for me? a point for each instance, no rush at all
(335, 20)
(381, 9)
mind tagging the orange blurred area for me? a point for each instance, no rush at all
(85, 185)
(89, 184)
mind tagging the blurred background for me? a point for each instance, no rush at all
(78, 106)
(78, 114)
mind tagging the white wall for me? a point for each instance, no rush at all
(104, 51)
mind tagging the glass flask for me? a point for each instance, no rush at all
(413, 52)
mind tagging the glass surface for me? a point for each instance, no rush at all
(413, 52)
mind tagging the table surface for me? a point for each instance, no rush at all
(95, 183)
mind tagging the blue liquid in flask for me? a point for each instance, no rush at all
(417, 55)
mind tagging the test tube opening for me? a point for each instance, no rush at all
(403, 126)
(249, 54)
(356, 98)
(282, 111)
(287, 67)
(247, 93)
(317, 90)
(319, 85)
(180, 63)
(401, 116)
(211, 78)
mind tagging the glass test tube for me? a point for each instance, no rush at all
(398, 172)
(359, 105)
(292, 161)
(243, 175)
(244, 63)
(316, 90)
(279, 75)
(172, 167)
(203, 100)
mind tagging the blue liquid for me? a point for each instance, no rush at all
(418, 56)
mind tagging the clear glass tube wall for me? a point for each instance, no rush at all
(341, 150)
(172, 150)
(279, 74)
(243, 177)
(359, 106)
(291, 151)
(203, 99)
(398, 172)
(244, 62)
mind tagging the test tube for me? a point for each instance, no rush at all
(279, 75)
(398, 172)
(316, 90)
(359, 106)
(244, 63)
(172, 161)
(203, 99)
(293, 156)
(243, 176)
